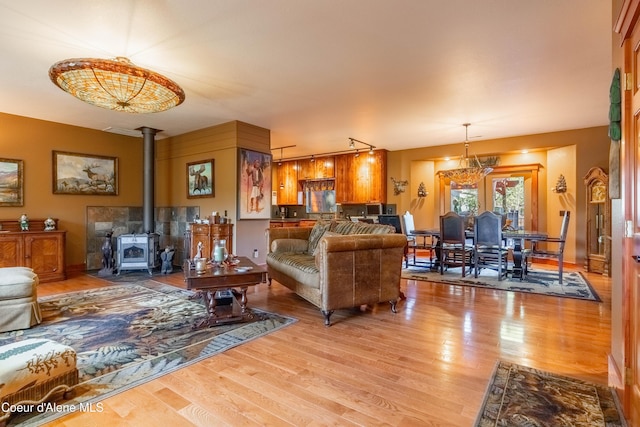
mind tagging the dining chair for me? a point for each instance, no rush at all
(489, 249)
(454, 250)
(414, 241)
(546, 253)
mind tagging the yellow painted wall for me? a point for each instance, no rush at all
(573, 151)
(220, 143)
(33, 141)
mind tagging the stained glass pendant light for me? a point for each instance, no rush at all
(116, 84)
(470, 171)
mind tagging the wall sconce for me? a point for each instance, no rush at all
(561, 185)
(398, 186)
(422, 190)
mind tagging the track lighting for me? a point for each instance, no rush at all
(352, 142)
(357, 154)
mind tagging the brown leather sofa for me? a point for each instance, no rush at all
(336, 265)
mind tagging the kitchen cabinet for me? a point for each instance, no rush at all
(287, 183)
(208, 234)
(598, 210)
(361, 179)
(319, 168)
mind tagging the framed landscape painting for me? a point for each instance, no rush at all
(200, 176)
(11, 182)
(254, 185)
(87, 174)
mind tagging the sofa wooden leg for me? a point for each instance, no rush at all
(327, 315)
(394, 302)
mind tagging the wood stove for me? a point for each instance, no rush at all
(137, 252)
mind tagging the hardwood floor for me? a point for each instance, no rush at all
(429, 364)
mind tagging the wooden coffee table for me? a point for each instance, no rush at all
(216, 287)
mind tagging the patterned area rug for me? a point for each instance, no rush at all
(538, 281)
(521, 396)
(125, 335)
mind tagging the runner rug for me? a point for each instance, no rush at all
(128, 334)
(538, 281)
(521, 396)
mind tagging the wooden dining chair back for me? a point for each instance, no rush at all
(393, 220)
(454, 251)
(548, 252)
(414, 242)
(489, 249)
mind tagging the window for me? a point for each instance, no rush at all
(508, 199)
(508, 189)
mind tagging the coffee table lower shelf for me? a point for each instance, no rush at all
(219, 314)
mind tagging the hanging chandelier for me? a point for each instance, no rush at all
(470, 171)
(116, 84)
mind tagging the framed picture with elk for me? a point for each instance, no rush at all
(254, 185)
(84, 174)
(200, 179)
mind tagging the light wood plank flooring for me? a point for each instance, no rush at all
(429, 364)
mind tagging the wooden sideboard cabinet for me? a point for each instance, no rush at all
(208, 234)
(43, 251)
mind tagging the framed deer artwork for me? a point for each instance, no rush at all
(84, 174)
(200, 179)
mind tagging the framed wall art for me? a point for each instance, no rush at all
(254, 185)
(200, 179)
(86, 174)
(11, 182)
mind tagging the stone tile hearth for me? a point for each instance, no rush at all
(170, 224)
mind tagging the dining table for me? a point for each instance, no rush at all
(518, 237)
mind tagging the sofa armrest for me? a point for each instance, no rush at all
(359, 269)
(289, 245)
(272, 234)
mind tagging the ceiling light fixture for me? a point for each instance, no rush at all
(352, 145)
(470, 170)
(116, 84)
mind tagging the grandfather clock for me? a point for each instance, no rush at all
(598, 247)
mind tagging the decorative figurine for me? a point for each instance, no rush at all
(49, 224)
(167, 257)
(24, 222)
(198, 251)
(107, 256)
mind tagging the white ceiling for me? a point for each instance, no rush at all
(397, 74)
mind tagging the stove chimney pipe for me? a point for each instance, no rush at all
(148, 171)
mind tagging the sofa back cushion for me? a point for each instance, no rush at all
(350, 227)
(316, 234)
